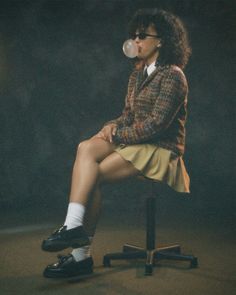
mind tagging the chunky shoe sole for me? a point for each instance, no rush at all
(67, 267)
(63, 238)
(58, 275)
(55, 246)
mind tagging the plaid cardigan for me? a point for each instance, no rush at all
(155, 109)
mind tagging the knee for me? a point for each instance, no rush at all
(83, 146)
(86, 147)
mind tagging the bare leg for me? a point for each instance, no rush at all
(85, 170)
(92, 212)
(113, 168)
(96, 163)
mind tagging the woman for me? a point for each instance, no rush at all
(147, 139)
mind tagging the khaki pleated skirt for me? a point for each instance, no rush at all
(157, 163)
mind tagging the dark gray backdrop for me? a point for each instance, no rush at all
(63, 73)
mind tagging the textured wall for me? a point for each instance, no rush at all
(61, 66)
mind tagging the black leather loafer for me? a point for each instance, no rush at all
(63, 238)
(67, 267)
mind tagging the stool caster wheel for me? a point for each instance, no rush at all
(148, 269)
(106, 262)
(194, 263)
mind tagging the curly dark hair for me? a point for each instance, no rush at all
(175, 47)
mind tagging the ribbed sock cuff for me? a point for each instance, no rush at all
(75, 215)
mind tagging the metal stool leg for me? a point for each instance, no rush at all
(150, 234)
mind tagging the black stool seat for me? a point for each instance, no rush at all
(150, 253)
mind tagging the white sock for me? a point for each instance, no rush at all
(75, 215)
(83, 252)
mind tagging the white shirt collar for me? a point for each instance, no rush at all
(150, 68)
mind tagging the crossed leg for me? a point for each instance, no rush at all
(96, 163)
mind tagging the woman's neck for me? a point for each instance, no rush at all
(151, 59)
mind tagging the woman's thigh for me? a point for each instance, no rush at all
(114, 168)
(95, 148)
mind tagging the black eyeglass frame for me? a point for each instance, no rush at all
(143, 36)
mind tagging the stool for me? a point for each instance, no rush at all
(150, 253)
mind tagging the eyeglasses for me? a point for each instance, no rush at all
(143, 36)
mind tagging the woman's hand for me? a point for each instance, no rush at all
(107, 132)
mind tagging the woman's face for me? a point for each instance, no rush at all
(148, 48)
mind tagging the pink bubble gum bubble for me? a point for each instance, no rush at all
(130, 48)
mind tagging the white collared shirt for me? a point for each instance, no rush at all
(150, 68)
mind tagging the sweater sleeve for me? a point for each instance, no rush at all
(172, 93)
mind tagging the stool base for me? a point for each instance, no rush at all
(172, 252)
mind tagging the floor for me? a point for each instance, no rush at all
(22, 260)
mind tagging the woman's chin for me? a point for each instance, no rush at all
(140, 56)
